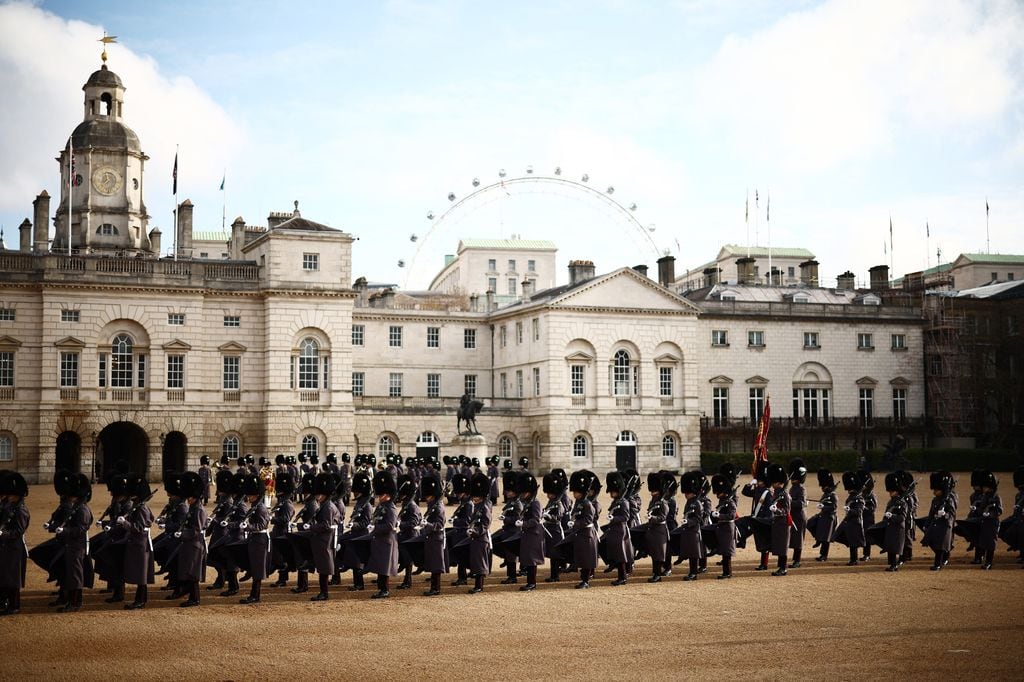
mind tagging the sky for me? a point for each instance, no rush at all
(846, 113)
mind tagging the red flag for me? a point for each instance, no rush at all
(761, 441)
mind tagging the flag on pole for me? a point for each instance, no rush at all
(885, 248)
(755, 199)
(746, 208)
(225, 177)
(986, 207)
(174, 174)
(72, 168)
(761, 440)
(768, 210)
(927, 231)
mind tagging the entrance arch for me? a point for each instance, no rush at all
(68, 454)
(175, 453)
(625, 451)
(122, 441)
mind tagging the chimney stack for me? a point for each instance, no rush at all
(41, 222)
(490, 301)
(879, 277)
(642, 269)
(809, 273)
(527, 290)
(474, 303)
(25, 233)
(237, 238)
(185, 229)
(846, 281)
(154, 241)
(667, 271)
(711, 276)
(580, 271)
(745, 270)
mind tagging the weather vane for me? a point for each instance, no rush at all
(106, 40)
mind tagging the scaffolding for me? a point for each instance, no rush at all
(945, 365)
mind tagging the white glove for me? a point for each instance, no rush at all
(99, 524)
(986, 515)
(161, 525)
(46, 525)
(243, 525)
(714, 515)
(941, 513)
(519, 523)
(369, 529)
(305, 526)
(120, 519)
(60, 529)
(773, 509)
(821, 506)
(223, 524)
(888, 515)
(846, 507)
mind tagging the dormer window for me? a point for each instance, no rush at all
(106, 230)
(801, 298)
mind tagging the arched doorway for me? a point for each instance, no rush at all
(175, 453)
(122, 441)
(68, 452)
(625, 451)
(427, 445)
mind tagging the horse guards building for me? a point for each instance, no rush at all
(262, 342)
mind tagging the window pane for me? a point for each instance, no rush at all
(69, 370)
(309, 364)
(121, 362)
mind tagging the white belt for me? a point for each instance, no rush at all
(149, 539)
(334, 537)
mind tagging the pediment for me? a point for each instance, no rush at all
(579, 356)
(232, 347)
(757, 379)
(9, 342)
(867, 381)
(625, 288)
(720, 379)
(69, 342)
(667, 359)
(900, 381)
(177, 344)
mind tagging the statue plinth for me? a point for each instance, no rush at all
(471, 446)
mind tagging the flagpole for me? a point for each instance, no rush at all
(768, 221)
(71, 183)
(892, 259)
(224, 202)
(988, 245)
(927, 248)
(175, 202)
(746, 219)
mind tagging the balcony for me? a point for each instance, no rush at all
(175, 395)
(813, 310)
(785, 431)
(69, 394)
(6, 393)
(122, 395)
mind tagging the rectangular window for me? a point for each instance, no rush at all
(142, 371)
(69, 370)
(309, 369)
(865, 341)
(1009, 276)
(492, 265)
(536, 381)
(503, 378)
(433, 337)
(536, 328)
(519, 383)
(791, 271)
(358, 382)
(899, 404)
(395, 385)
(395, 336)
(756, 404)
(994, 277)
(176, 319)
(665, 382)
(531, 265)
(6, 314)
(70, 316)
(469, 385)
(720, 405)
(755, 339)
(811, 340)
(231, 375)
(326, 363)
(511, 265)
(519, 332)
(719, 337)
(175, 371)
(358, 334)
(6, 369)
(492, 284)
(503, 336)
(899, 341)
(867, 405)
(511, 286)
(469, 339)
(311, 261)
(576, 381)
(232, 320)
(102, 379)
(433, 385)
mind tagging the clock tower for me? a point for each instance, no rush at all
(105, 197)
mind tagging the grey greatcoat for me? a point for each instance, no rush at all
(725, 528)
(657, 529)
(384, 541)
(826, 518)
(584, 535)
(192, 551)
(480, 539)
(258, 539)
(618, 548)
(938, 534)
(552, 516)
(138, 554)
(779, 509)
(851, 531)
(798, 510)
(14, 519)
(895, 525)
(74, 537)
(531, 544)
(870, 509)
(323, 533)
(435, 548)
(991, 506)
(690, 545)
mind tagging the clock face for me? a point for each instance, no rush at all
(106, 180)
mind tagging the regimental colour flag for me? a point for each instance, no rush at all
(174, 175)
(761, 440)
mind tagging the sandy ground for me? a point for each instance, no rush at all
(823, 620)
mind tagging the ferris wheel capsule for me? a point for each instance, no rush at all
(610, 190)
(558, 170)
(401, 263)
(476, 182)
(585, 178)
(501, 172)
(413, 238)
(451, 196)
(529, 170)
(430, 215)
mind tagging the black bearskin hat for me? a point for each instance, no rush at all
(290, 459)
(314, 459)
(669, 484)
(776, 473)
(225, 460)
(117, 484)
(224, 479)
(308, 479)
(430, 486)
(361, 483)
(989, 480)
(906, 479)
(331, 457)
(690, 482)
(941, 480)
(614, 482)
(479, 485)
(80, 487)
(893, 483)
(797, 471)
(138, 487)
(172, 484)
(237, 480)
(728, 469)
(851, 481)
(279, 460)
(303, 457)
(579, 482)
(191, 485)
(250, 460)
(345, 457)
(761, 471)
(460, 484)
(595, 485)
(976, 478)
(252, 485)
(264, 461)
(447, 460)
(825, 479)
(284, 484)
(526, 483)
(654, 482)
(204, 460)
(384, 484)
(475, 462)
(507, 464)
(524, 462)
(13, 483)
(632, 479)
(62, 480)
(323, 484)
(720, 483)
(508, 482)
(550, 484)
(406, 487)
(867, 481)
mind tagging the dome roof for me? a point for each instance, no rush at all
(104, 78)
(108, 134)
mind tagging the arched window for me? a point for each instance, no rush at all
(6, 449)
(106, 104)
(309, 364)
(505, 449)
(310, 445)
(106, 230)
(385, 446)
(230, 447)
(668, 446)
(622, 374)
(428, 437)
(122, 361)
(580, 446)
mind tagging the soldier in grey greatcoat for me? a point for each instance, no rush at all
(511, 512)
(345, 469)
(73, 535)
(851, 531)
(690, 546)
(435, 548)
(362, 512)
(256, 527)
(618, 550)
(103, 547)
(938, 531)
(797, 509)
(280, 520)
(14, 520)
(409, 521)
(991, 506)
(206, 476)
(479, 531)
(582, 530)
(823, 524)
(724, 517)
(531, 527)
(780, 510)
(553, 522)
(760, 495)
(192, 551)
(895, 520)
(870, 507)
(461, 519)
(383, 530)
(492, 473)
(138, 551)
(216, 531)
(323, 533)
(657, 528)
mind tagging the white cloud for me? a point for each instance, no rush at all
(45, 59)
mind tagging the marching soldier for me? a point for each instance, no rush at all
(824, 522)
(362, 512)
(73, 535)
(479, 531)
(851, 531)
(383, 531)
(992, 508)
(724, 516)
(109, 564)
(895, 520)
(870, 507)
(345, 469)
(798, 509)
(657, 527)
(554, 525)
(323, 533)
(690, 546)
(256, 527)
(305, 518)
(435, 549)
(217, 529)
(410, 519)
(280, 521)
(138, 552)
(192, 551)
(705, 519)
(206, 476)
(616, 534)
(461, 519)
(584, 543)
(14, 520)
(938, 531)
(531, 526)
(492, 473)
(510, 515)
(760, 495)
(232, 533)
(779, 509)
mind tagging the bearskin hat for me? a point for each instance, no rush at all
(906, 479)
(526, 483)
(595, 485)
(989, 480)
(345, 457)
(172, 484)
(331, 457)
(614, 482)
(729, 470)
(761, 471)
(406, 486)
(13, 483)
(720, 483)
(669, 484)
(303, 457)
(690, 482)
(549, 484)
(204, 460)
(867, 481)
(223, 480)
(138, 487)
(250, 460)
(191, 484)
(314, 459)
(430, 486)
(579, 482)
(117, 484)
(507, 464)
(62, 479)
(284, 484)
(524, 462)
(851, 481)
(825, 480)
(475, 462)
(225, 460)
(460, 484)
(893, 483)
(279, 460)
(289, 459)
(361, 484)
(479, 485)
(797, 471)
(80, 487)
(384, 484)
(508, 482)
(323, 484)
(447, 460)
(252, 484)
(308, 479)
(941, 480)
(775, 473)
(654, 482)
